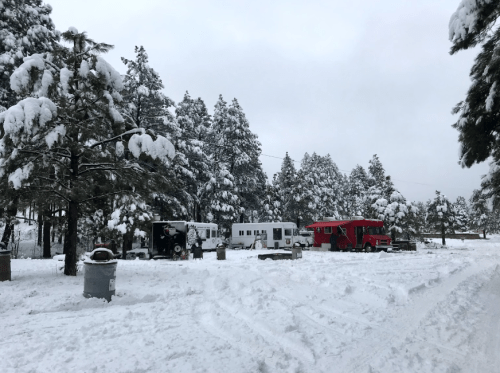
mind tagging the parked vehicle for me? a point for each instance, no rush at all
(170, 239)
(356, 234)
(306, 238)
(138, 253)
(109, 244)
(280, 235)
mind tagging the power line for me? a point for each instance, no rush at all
(346, 171)
(404, 181)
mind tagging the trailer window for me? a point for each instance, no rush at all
(214, 233)
(256, 232)
(295, 232)
(328, 230)
(249, 233)
(242, 233)
(263, 231)
(288, 232)
(208, 233)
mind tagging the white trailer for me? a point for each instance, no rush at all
(171, 237)
(273, 235)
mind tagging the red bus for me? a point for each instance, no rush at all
(357, 234)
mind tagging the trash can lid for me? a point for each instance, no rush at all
(101, 255)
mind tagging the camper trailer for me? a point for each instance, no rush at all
(273, 235)
(169, 239)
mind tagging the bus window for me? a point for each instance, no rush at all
(288, 232)
(249, 233)
(256, 232)
(214, 233)
(296, 232)
(242, 233)
(208, 233)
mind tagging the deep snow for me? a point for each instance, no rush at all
(426, 311)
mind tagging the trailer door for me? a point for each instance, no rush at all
(359, 237)
(277, 234)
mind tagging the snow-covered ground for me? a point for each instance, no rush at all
(424, 311)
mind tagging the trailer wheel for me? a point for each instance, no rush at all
(368, 248)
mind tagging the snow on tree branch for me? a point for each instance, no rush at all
(22, 173)
(25, 119)
(160, 148)
(21, 78)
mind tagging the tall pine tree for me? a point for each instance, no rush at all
(73, 123)
(441, 215)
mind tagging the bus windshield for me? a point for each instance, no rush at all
(376, 231)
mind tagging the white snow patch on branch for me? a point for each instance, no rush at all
(112, 77)
(491, 97)
(465, 18)
(27, 116)
(160, 148)
(120, 149)
(20, 78)
(84, 69)
(47, 80)
(53, 136)
(65, 76)
(21, 174)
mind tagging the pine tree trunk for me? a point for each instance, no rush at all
(40, 227)
(443, 235)
(484, 233)
(46, 235)
(61, 227)
(7, 233)
(127, 244)
(71, 240)
(9, 220)
(72, 232)
(198, 213)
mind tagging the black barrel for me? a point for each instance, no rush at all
(5, 272)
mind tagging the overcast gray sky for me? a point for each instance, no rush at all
(349, 78)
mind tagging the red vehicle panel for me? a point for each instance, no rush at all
(363, 234)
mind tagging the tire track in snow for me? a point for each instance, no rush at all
(244, 331)
(412, 315)
(485, 354)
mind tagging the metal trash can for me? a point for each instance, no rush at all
(197, 252)
(221, 252)
(5, 272)
(296, 252)
(100, 275)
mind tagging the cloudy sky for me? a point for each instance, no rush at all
(345, 78)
